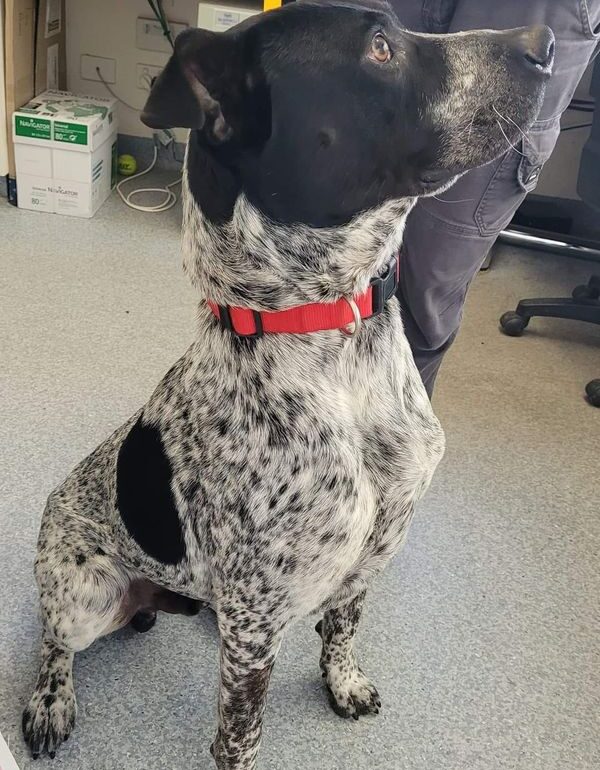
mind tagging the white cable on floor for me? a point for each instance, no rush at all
(170, 197)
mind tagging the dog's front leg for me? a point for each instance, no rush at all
(350, 691)
(50, 716)
(249, 646)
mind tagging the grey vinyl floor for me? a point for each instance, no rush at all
(482, 636)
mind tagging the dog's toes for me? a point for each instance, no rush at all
(366, 703)
(143, 621)
(48, 720)
(353, 696)
(345, 712)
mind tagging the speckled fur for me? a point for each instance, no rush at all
(297, 461)
(287, 467)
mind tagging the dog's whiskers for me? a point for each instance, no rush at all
(510, 121)
(506, 119)
(510, 144)
(462, 200)
(475, 111)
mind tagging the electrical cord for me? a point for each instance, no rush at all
(113, 94)
(159, 13)
(170, 197)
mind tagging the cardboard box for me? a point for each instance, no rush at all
(7, 761)
(66, 153)
(50, 47)
(19, 36)
(34, 55)
(3, 116)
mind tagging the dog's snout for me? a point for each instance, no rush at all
(536, 46)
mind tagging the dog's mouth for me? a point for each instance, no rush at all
(433, 180)
(435, 176)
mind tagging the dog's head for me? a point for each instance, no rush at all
(319, 112)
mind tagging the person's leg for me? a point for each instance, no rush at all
(447, 238)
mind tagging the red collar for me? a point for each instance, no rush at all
(316, 317)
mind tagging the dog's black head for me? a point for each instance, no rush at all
(319, 112)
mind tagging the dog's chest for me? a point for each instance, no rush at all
(400, 443)
(294, 471)
(328, 460)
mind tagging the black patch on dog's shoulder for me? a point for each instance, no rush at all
(144, 496)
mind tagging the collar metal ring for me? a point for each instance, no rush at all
(357, 323)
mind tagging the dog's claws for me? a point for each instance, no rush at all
(35, 756)
(355, 717)
(51, 754)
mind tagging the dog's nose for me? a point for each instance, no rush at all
(536, 45)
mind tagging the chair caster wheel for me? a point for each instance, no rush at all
(585, 291)
(513, 324)
(592, 390)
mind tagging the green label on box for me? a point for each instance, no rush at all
(72, 133)
(34, 128)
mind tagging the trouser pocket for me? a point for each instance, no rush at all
(590, 18)
(516, 175)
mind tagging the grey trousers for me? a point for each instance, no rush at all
(446, 240)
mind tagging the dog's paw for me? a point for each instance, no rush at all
(49, 719)
(351, 694)
(143, 621)
(193, 607)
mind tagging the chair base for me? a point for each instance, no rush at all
(584, 305)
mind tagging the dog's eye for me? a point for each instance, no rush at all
(380, 49)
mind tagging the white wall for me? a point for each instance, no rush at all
(107, 28)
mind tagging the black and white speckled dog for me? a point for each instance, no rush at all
(273, 476)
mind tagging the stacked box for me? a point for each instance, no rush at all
(65, 153)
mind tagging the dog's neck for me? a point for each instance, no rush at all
(251, 261)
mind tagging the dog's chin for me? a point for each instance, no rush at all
(434, 181)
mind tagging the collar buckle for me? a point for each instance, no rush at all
(227, 323)
(384, 286)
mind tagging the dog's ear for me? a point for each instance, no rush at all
(191, 91)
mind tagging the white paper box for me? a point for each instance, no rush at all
(65, 153)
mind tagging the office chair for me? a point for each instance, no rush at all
(584, 304)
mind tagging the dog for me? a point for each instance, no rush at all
(275, 470)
